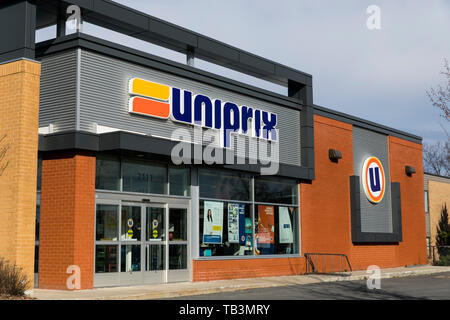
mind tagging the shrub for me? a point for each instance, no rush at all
(12, 281)
(443, 261)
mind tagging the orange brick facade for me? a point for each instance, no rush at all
(325, 212)
(67, 219)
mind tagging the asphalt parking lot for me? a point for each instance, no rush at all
(434, 286)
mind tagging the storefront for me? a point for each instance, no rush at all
(152, 171)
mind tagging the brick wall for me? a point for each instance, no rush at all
(67, 218)
(19, 108)
(247, 268)
(438, 195)
(325, 203)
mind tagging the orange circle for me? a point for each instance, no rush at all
(369, 192)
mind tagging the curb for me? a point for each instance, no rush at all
(262, 283)
(202, 291)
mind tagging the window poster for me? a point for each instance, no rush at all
(248, 225)
(285, 226)
(236, 217)
(213, 222)
(266, 225)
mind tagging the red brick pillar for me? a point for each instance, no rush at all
(67, 219)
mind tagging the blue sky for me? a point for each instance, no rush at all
(379, 75)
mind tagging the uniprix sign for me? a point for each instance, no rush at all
(373, 179)
(164, 102)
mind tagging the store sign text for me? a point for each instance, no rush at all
(162, 101)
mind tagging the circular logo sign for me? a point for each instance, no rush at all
(373, 179)
(130, 222)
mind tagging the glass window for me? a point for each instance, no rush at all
(105, 258)
(131, 223)
(177, 224)
(144, 177)
(107, 173)
(39, 173)
(155, 257)
(155, 224)
(177, 256)
(106, 223)
(222, 184)
(179, 181)
(276, 230)
(36, 259)
(426, 201)
(275, 190)
(130, 258)
(225, 229)
(36, 247)
(38, 222)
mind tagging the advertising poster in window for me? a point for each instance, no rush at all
(233, 222)
(236, 215)
(285, 226)
(213, 222)
(266, 224)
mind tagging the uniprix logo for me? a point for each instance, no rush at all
(162, 101)
(373, 179)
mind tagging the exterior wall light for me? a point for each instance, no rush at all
(410, 170)
(334, 155)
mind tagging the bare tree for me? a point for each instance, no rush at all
(436, 158)
(440, 96)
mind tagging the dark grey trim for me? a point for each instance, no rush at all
(121, 141)
(131, 22)
(305, 94)
(355, 214)
(17, 29)
(366, 124)
(396, 210)
(80, 40)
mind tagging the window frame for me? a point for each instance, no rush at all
(253, 205)
(167, 167)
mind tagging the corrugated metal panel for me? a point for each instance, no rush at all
(58, 91)
(366, 143)
(104, 100)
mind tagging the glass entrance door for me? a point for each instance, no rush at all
(155, 243)
(139, 243)
(166, 243)
(178, 244)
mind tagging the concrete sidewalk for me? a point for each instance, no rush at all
(161, 291)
